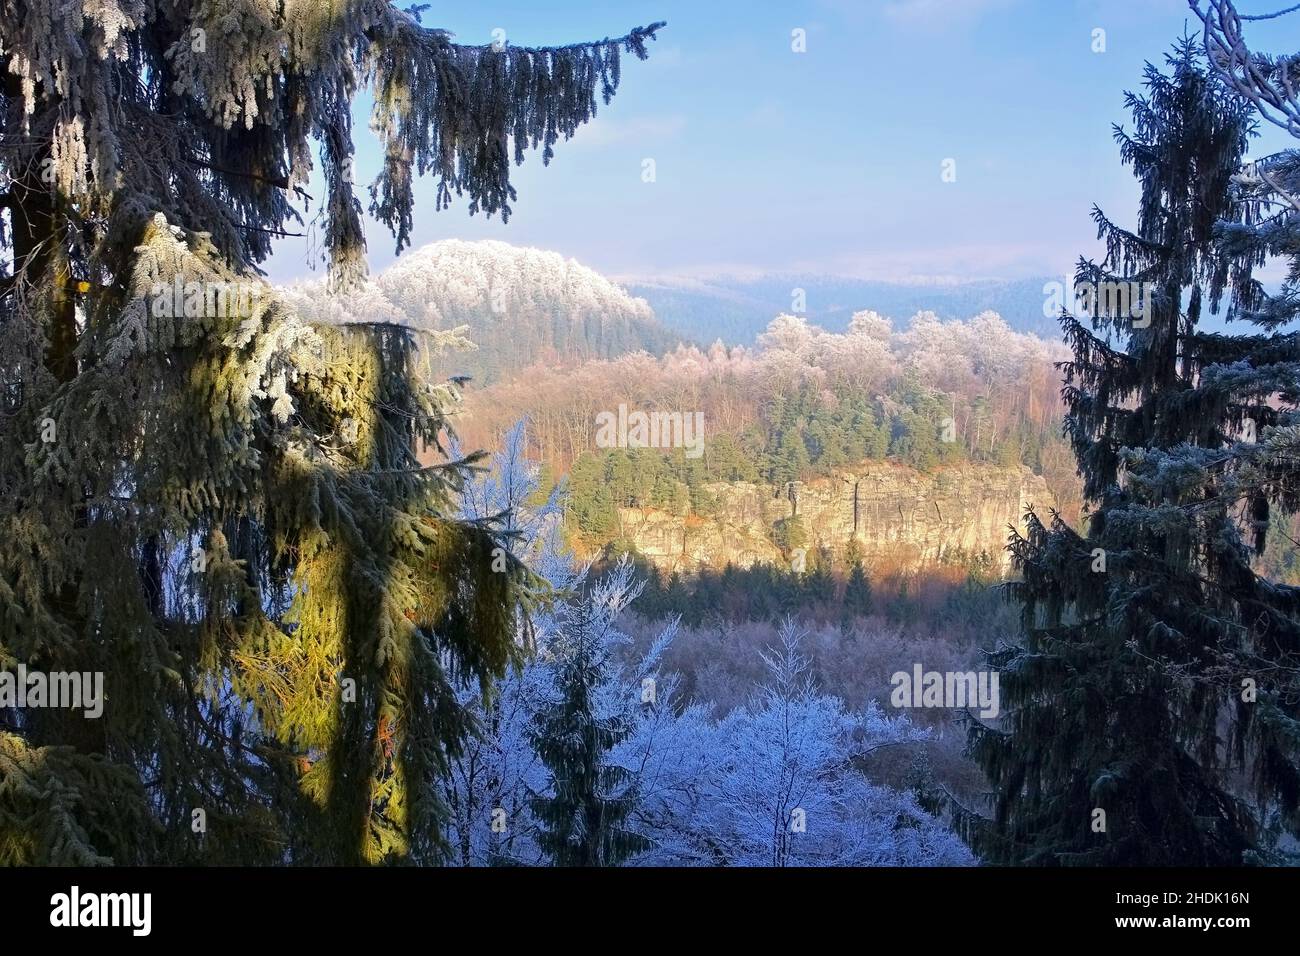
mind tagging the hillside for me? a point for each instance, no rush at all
(801, 404)
(520, 307)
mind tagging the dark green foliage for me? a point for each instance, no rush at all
(915, 436)
(790, 459)
(299, 684)
(789, 534)
(765, 592)
(802, 438)
(1127, 693)
(857, 593)
(819, 581)
(582, 817)
(592, 503)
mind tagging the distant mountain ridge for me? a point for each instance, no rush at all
(737, 309)
(524, 306)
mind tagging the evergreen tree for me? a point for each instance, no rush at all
(584, 812)
(591, 504)
(1126, 697)
(1265, 222)
(651, 602)
(790, 458)
(216, 505)
(875, 438)
(496, 774)
(902, 609)
(819, 582)
(790, 535)
(677, 595)
(857, 593)
(727, 461)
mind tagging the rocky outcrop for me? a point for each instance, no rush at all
(895, 514)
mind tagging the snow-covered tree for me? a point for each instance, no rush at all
(492, 774)
(215, 504)
(1270, 83)
(1158, 668)
(663, 781)
(1000, 387)
(496, 776)
(779, 782)
(510, 803)
(1263, 225)
(789, 333)
(583, 812)
(872, 324)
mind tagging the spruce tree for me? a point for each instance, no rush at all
(857, 593)
(1126, 714)
(818, 583)
(583, 814)
(214, 504)
(790, 459)
(1261, 474)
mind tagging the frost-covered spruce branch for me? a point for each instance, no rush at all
(221, 506)
(1270, 83)
(1185, 440)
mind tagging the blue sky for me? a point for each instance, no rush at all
(827, 161)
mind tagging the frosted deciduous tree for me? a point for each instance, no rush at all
(789, 333)
(215, 504)
(498, 779)
(779, 782)
(1267, 221)
(659, 780)
(492, 774)
(995, 382)
(1271, 83)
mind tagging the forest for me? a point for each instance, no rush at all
(802, 402)
(346, 555)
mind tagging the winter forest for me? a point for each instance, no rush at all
(719, 492)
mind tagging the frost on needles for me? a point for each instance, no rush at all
(226, 512)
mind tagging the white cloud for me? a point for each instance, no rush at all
(945, 263)
(932, 264)
(644, 129)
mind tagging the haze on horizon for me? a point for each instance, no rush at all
(814, 164)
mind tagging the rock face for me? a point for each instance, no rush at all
(897, 515)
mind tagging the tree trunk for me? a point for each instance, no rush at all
(41, 255)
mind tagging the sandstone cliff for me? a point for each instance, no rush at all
(895, 514)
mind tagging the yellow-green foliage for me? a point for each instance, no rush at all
(285, 458)
(222, 508)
